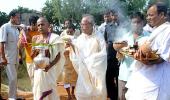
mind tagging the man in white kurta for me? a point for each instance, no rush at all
(150, 81)
(89, 59)
(44, 87)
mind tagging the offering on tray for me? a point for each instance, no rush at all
(131, 51)
(119, 45)
(127, 51)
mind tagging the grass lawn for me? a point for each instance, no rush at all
(24, 82)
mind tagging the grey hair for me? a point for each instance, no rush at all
(90, 18)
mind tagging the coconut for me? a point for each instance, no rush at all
(146, 50)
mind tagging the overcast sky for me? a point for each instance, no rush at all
(7, 5)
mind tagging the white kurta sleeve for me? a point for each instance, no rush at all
(165, 48)
(3, 34)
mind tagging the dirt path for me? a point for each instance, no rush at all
(29, 96)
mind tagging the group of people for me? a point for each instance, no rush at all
(92, 61)
(141, 78)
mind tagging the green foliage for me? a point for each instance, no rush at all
(134, 5)
(56, 4)
(167, 2)
(67, 9)
(3, 18)
(57, 11)
(24, 10)
(48, 11)
(23, 80)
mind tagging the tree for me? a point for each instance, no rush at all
(73, 9)
(167, 2)
(25, 10)
(67, 9)
(3, 18)
(134, 5)
(48, 11)
(57, 11)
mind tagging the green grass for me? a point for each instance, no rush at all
(24, 83)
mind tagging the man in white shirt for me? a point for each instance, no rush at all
(150, 78)
(132, 38)
(9, 51)
(89, 59)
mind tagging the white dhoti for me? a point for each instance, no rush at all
(45, 84)
(90, 61)
(30, 70)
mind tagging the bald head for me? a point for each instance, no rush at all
(43, 19)
(43, 25)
